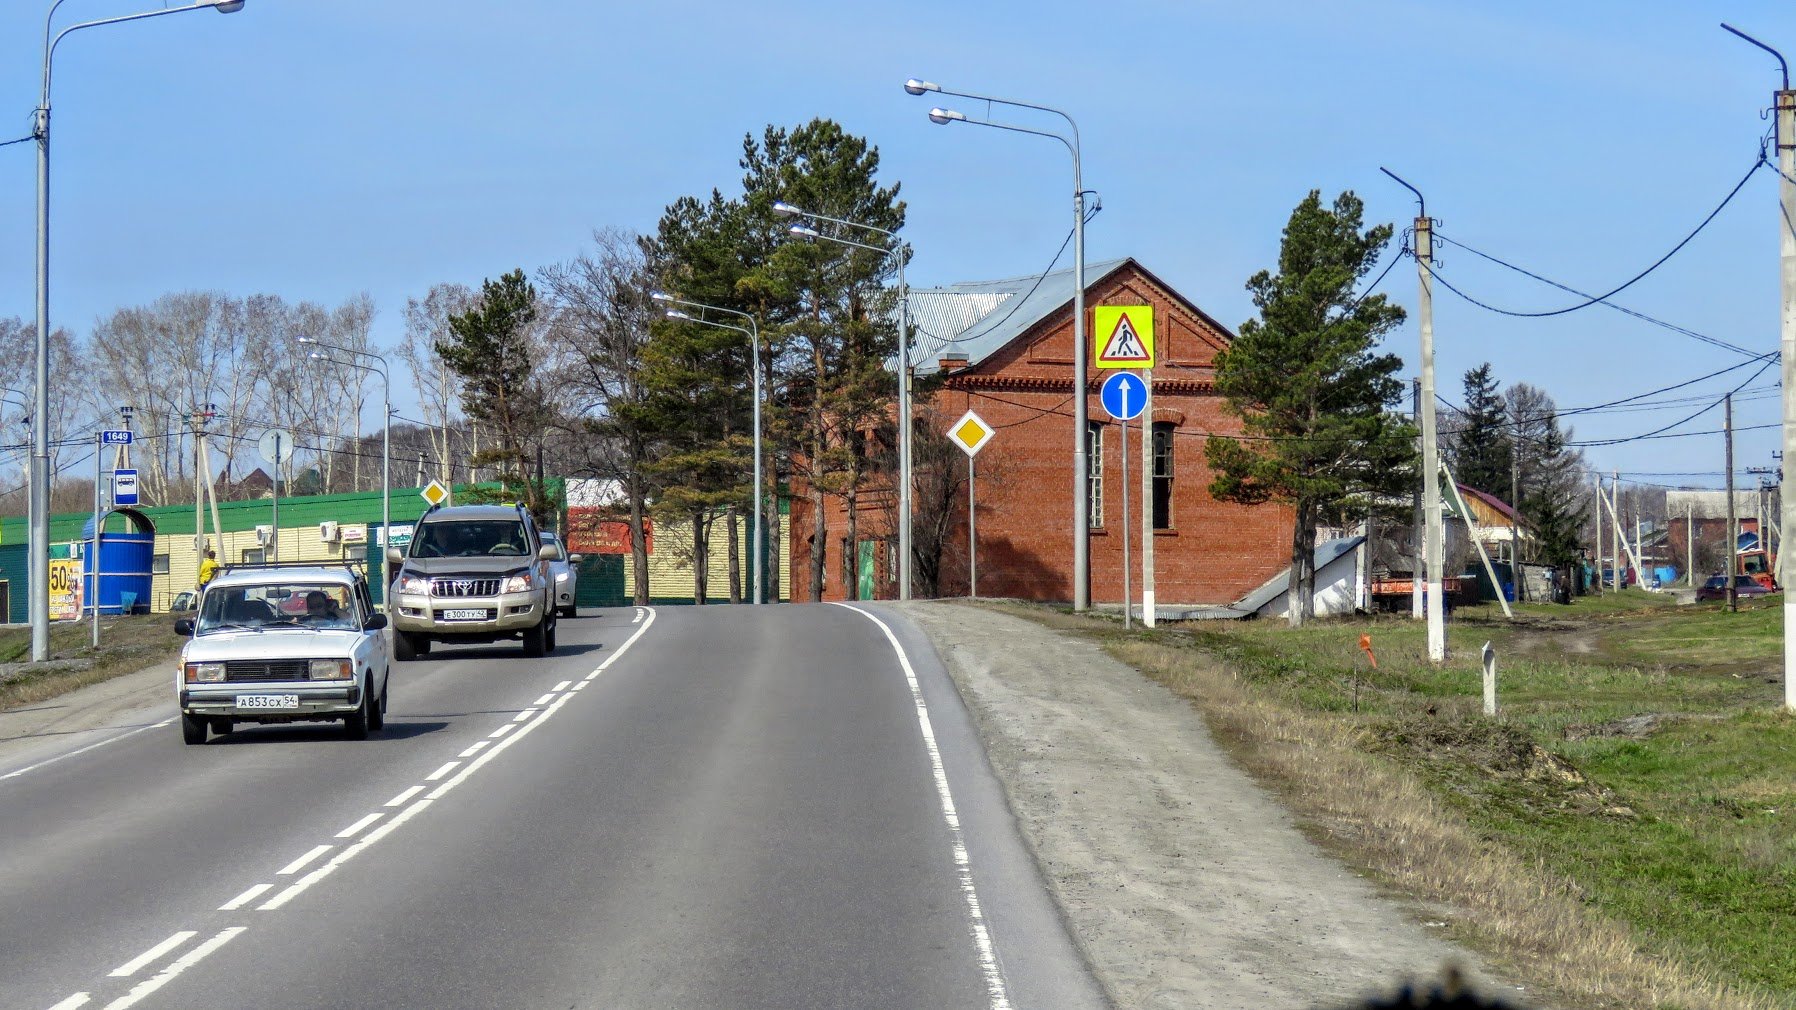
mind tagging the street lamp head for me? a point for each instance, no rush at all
(677, 314)
(804, 231)
(307, 340)
(315, 356)
(228, 6)
(916, 87)
(661, 296)
(942, 117)
(785, 209)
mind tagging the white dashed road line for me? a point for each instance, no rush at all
(192, 957)
(561, 686)
(245, 898)
(131, 967)
(356, 828)
(78, 1000)
(399, 801)
(447, 767)
(300, 863)
(544, 700)
(475, 748)
(502, 730)
(524, 715)
(298, 887)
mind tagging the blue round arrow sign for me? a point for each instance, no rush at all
(1124, 395)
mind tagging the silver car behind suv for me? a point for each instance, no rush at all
(472, 573)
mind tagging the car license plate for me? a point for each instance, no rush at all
(268, 701)
(464, 615)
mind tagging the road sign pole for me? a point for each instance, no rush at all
(93, 545)
(972, 533)
(273, 551)
(1128, 593)
(1147, 501)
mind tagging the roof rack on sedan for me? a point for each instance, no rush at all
(350, 563)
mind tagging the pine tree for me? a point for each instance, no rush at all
(1550, 474)
(1310, 389)
(493, 347)
(1480, 450)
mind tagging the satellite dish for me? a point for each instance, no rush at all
(276, 446)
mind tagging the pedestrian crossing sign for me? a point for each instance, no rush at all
(1125, 336)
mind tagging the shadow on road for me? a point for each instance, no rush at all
(310, 732)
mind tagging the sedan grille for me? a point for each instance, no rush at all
(250, 670)
(456, 588)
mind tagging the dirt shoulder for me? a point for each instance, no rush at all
(1186, 884)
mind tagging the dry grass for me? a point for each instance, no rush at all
(1374, 812)
(127, 645)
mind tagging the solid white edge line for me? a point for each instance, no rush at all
(300, 863)
(356, 828)
(561, 686)
(191, 958)
(399, 801)
(447, 767)
(293, 890)
(544, 700)
(245, 898)
(995, 987)
(83, 750)
(77, 1000)
(132, 966)
(525, 714)
(475, 748)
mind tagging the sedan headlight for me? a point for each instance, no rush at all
(414, 584)
(519, 583)
(331, 669)
(205, 673)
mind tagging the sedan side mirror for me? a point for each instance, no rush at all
(184, 626)
(395, 556)
(546, 552)
(574, 559)
(375, 623)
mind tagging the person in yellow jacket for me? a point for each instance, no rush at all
(208, 567)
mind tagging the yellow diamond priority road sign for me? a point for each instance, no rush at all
(971, 433)
(435, 493)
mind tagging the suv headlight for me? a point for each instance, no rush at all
(560, 576)
(205, 673)
(331, 669)
(519, 583)
(414, 584)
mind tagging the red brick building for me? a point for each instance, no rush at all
(1016, 336)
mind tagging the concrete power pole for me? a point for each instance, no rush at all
(1433, 539)
(1596, 486)
(1732, 546)
(1416, 553)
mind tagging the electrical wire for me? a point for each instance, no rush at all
(1659, 432)
(1590, 300)
(9, 143)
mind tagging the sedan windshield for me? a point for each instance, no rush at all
(498, 538)
(288, 605)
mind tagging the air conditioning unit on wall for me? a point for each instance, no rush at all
(264, 535)
(329, 532)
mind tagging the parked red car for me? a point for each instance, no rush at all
(1744, 586)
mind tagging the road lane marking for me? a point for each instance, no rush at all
(245, 898)
(638, 618)
(78, 1000)
(478, 746)
(131, 967)
(561, 686)
(448, 766)
(525, 714)
(399, 801)
(300, 863)
(192, 957)
(83, 750)
(356, 828)
(502, 730)
(996, 990)
(579, 685)
(297, 887)
(545, 699)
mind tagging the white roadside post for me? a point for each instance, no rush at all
(1490, 680)
(971, 433)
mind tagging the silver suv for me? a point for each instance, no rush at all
(472, 573)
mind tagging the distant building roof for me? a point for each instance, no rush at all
(1711, 504)
(1493, 501)
(976, 318)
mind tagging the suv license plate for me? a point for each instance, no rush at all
(268, 701)
(464, 615)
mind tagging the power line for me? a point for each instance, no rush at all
(1590, 300)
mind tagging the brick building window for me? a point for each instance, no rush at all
(1094, 458)
(1162, 475)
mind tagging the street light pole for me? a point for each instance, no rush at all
(38, 569)
(386, 436)
(898, 253)
(1081, 434)
(758, 587)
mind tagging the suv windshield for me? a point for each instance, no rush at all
(495, 537)
(288, 605)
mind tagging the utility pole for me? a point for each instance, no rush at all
(1415, 538)
(1620, 544)
(1733, 538)
(1690, 544)
(1596, 485)
(1515, 526)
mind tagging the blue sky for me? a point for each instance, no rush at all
(318, 148)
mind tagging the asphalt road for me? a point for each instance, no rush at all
(691, 807)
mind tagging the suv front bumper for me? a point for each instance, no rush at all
(502, 614)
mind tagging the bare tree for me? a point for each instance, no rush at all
(437, 387)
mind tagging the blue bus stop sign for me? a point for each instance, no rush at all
(1124, 395)
(124, 487)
